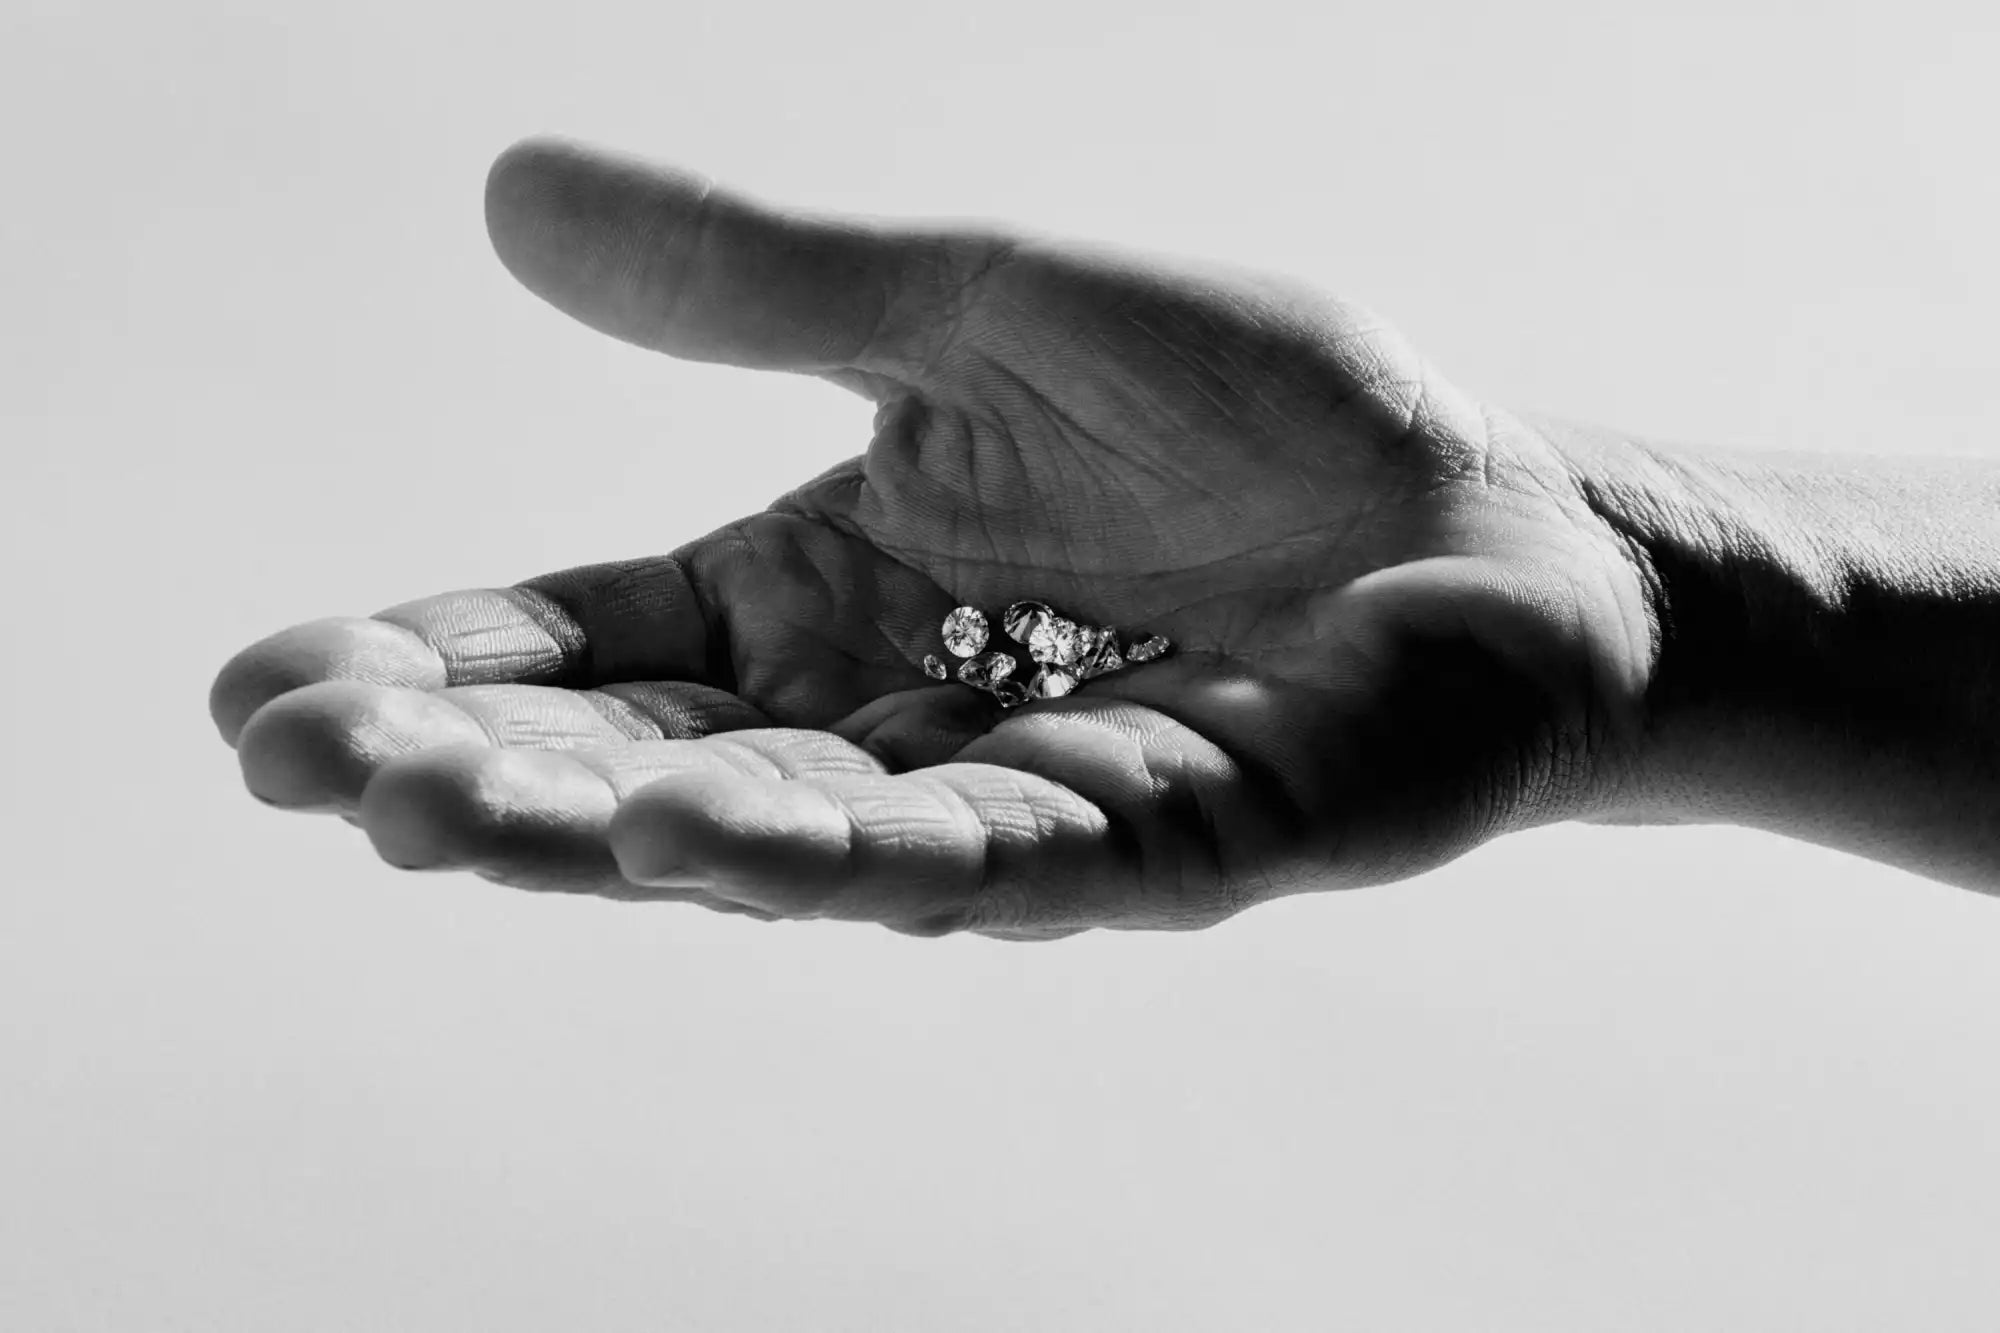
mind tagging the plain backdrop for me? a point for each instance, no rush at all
(258, 364)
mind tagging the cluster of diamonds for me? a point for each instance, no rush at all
(1064, 652)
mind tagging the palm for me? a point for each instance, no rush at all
(1396, 631)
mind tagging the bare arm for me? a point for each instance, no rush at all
(1829, 650)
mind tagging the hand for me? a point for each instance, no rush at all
(1400, 628)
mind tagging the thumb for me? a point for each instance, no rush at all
(666, 259)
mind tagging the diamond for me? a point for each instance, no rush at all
(1010, 693)
(1023, 618)
(934, 668)
(986, 670)
(1100, 656)
(1051, 683)
(1056, 642)
(965, 631)
(1148, 649)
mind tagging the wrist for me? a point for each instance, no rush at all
(1827, 646)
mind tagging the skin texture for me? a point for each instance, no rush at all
(1403, 621)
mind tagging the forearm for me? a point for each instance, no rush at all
(1828, 655)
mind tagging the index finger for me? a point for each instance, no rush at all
(626, 620)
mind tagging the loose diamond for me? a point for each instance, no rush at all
(986, 670)
(1100, 655)
(965, 631)
(1056, 642)
(934, 668)
(1023, 618)
(1010, 693)
(1051, 683)
(1147, 649)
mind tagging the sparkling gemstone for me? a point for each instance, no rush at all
(1100, 655)
(934, 668)
(1056, 642)
(986, 670)
(1147, 649)
(1051, 683)
(965, 631)
(1023, 618)
(1010, 693)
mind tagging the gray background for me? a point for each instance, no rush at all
(257, 365)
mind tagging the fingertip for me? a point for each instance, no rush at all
(559, 212)
(514, 184)
(418, 810)
(314, 748)
(336, 648)
(770, 845)
(292, 759)
(531, 813)
(644, 839)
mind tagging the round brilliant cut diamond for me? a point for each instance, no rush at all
(1023, 618)
(965, 631)
(1056, 642)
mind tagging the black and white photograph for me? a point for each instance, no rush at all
(1033, 668)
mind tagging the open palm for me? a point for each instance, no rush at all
(1399, 628)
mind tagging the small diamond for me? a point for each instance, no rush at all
(1010, 693)
(1051, 683)
(1056, 642)
(1023, 618)
(965, 631)
(1147, 649)
(934, 668)
(986, 670)
(1100, 656)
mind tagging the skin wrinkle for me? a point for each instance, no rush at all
(891, 649)
(1202, 374)
(886, 841)
(977, 831)
(679, 709)
(673, 569)
(650, 246)
(485, 728)
(964, 461)
(1162, 789)
(461, 645)
(846, 525)
(1019, 902)
(831, 595)
(1270, 791)
(1169, 479)
(625, 715)
(950, 314)
(1125, 817)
